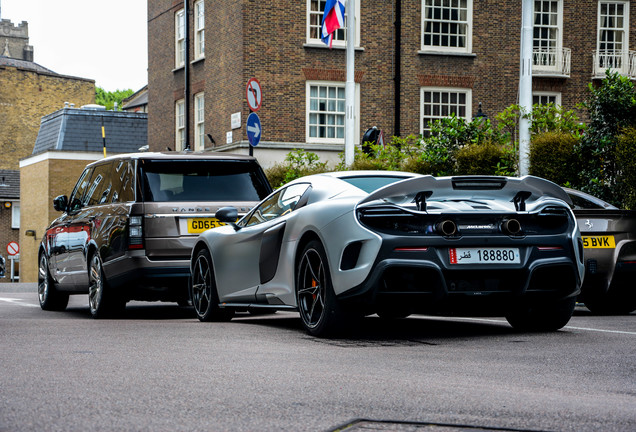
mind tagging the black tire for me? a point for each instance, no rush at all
(205, 297)
(542, 317)
(617, 301)
(103, 301)
(50, 298)
(320, 312)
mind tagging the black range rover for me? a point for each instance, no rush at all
(128, 227)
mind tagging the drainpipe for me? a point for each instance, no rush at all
(398, 67)
(186, 71)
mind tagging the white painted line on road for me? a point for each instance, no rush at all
(600, 330)
(501, 321)
(17, 302)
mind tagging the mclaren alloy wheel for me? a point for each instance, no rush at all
(205, 298)
(317, 303)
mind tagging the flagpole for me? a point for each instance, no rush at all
(350, 86)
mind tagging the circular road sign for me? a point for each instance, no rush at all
(13, 248)
(253, 94)
(253, 129)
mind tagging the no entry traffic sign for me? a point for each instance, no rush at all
(13, 248)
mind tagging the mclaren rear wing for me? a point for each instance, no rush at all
(517, 190)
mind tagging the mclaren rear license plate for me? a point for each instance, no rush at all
(599, 242)
(486, 255)
(198, 225)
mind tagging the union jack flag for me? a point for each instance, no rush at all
(332, 19)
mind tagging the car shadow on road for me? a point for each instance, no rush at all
(141, 311)
(413, 329)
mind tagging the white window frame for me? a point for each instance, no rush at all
(199, 30)
(551, 58)
(308, 112)
(199, 121)
(15, 214)
(468, 106)
(313, 41)
(179, 38)
(448, 49)
(619, 59)
(547, 94)
(180, 130)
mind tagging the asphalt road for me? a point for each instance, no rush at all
(159, 369)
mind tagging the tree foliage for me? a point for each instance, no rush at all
(108, 99)
(612, 107)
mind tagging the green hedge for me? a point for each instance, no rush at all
(553, 157)
(626, 167)
(488, 158)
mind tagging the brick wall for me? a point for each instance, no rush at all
(27, 96)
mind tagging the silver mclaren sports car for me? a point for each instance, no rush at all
(343, 245)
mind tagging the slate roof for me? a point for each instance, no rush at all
(137, 99)
(9, 184)
(80, 129)
(24, 64)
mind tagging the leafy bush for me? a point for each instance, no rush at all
(626, 164)
(552, 157)
(298, 163)
(611, 106)
(488, 158)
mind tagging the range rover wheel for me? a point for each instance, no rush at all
(319, 309)
(542, 318)
(205, 297)
(619, 300)
(103, 301)
(50, 298)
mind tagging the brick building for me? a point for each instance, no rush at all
(29, 91)
(415, 62)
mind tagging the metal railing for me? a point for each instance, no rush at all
(551, 62)
(623, 62)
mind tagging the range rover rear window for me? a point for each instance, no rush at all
(200, 180)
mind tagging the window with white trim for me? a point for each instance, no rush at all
(440, 102)
(15, 215)
(179, 114)
(199, 30)
(179, 38)
(315, 9)
(544, 98)
(199, 121)
(547, 31)
(325, 121)
(613, 25)
(447, 25)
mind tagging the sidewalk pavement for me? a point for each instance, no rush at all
(15, 287)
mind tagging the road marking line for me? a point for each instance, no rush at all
(17, 302)
(600, 330)
(566, 327)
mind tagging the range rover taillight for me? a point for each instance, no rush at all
(135, 233)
